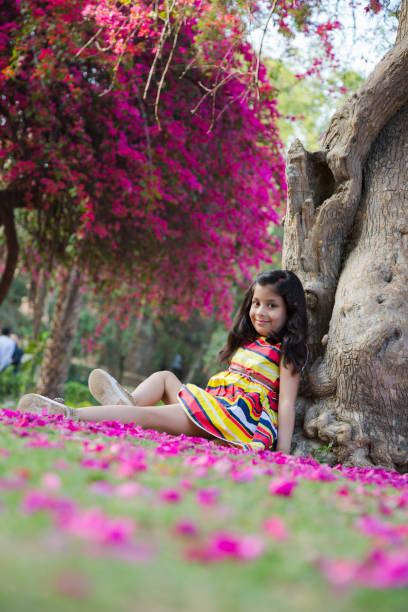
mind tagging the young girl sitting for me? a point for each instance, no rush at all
(266, 350)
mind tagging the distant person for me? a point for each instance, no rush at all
(7, 348)
(17, 354)
(177, 366)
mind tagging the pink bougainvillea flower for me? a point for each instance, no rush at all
(339, 572)
(38, 501)
(186, 527)
(130, 465)
(224, 545)
(373, 526)
(186, 484)
(93, 447)
(343, 491)
(245, 474)
(94, 464)
(204, 460)
(380, 569)
(92, 524)
(276, 528)
(51, 481)
(208, 496)
(384, 569)
(403, 499)
(168, 449)
(126, 490)
(223, 465)
(385, 509)
(282, 486)
(324, 473)
(172, 496)
(101, 487)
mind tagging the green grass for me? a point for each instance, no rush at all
(43, 567)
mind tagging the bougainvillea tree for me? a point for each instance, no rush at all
(138, 142)
(103, 184)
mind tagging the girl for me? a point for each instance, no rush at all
(265, 350)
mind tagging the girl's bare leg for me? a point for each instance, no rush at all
(170, 419)
(158, 387)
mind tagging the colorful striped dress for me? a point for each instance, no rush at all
(234, 406)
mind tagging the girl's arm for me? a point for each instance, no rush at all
(288, 388)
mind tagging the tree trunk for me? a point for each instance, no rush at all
(38, 295)
(346, 236)
(58, 349)
(7, 221)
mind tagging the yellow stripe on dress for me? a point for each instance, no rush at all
(247, 359)
(219, 418)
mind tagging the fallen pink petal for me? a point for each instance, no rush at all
(171, 496)
(51, 481)
(275, 527)
(281, 486)
(208, 496)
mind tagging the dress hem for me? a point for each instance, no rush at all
(240, 444)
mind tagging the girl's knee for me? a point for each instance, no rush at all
(168, 375)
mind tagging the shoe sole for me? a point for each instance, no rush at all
(38, 404)
(107, 390)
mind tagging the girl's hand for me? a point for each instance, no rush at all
(288, 389)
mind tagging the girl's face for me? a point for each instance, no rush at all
(268, 310)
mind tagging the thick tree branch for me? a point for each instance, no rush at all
(403, 22)
(7, 220)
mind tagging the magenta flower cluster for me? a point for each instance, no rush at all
(149, 210)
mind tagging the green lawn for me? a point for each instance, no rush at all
(106, 517)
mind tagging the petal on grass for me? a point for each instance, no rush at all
(171, 496)
(102, 487)
(51, 481)
(276, 528)
(93, 525)
(126, 490)
(373, 526)
(282, 486)
(221, 546)
(208, 496)
(186, 527)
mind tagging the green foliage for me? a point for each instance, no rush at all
(11, 384)
(76, 394)
(307, 105)
(323, 453)
(10, 313)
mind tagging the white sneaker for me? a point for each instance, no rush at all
(38, 404)
(107, 390)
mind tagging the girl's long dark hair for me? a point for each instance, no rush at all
(293, 334)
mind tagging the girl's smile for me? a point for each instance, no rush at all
(268, 310)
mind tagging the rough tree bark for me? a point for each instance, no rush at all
(346, 236)
(7, 204)
(38, 297)
(58, 349)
